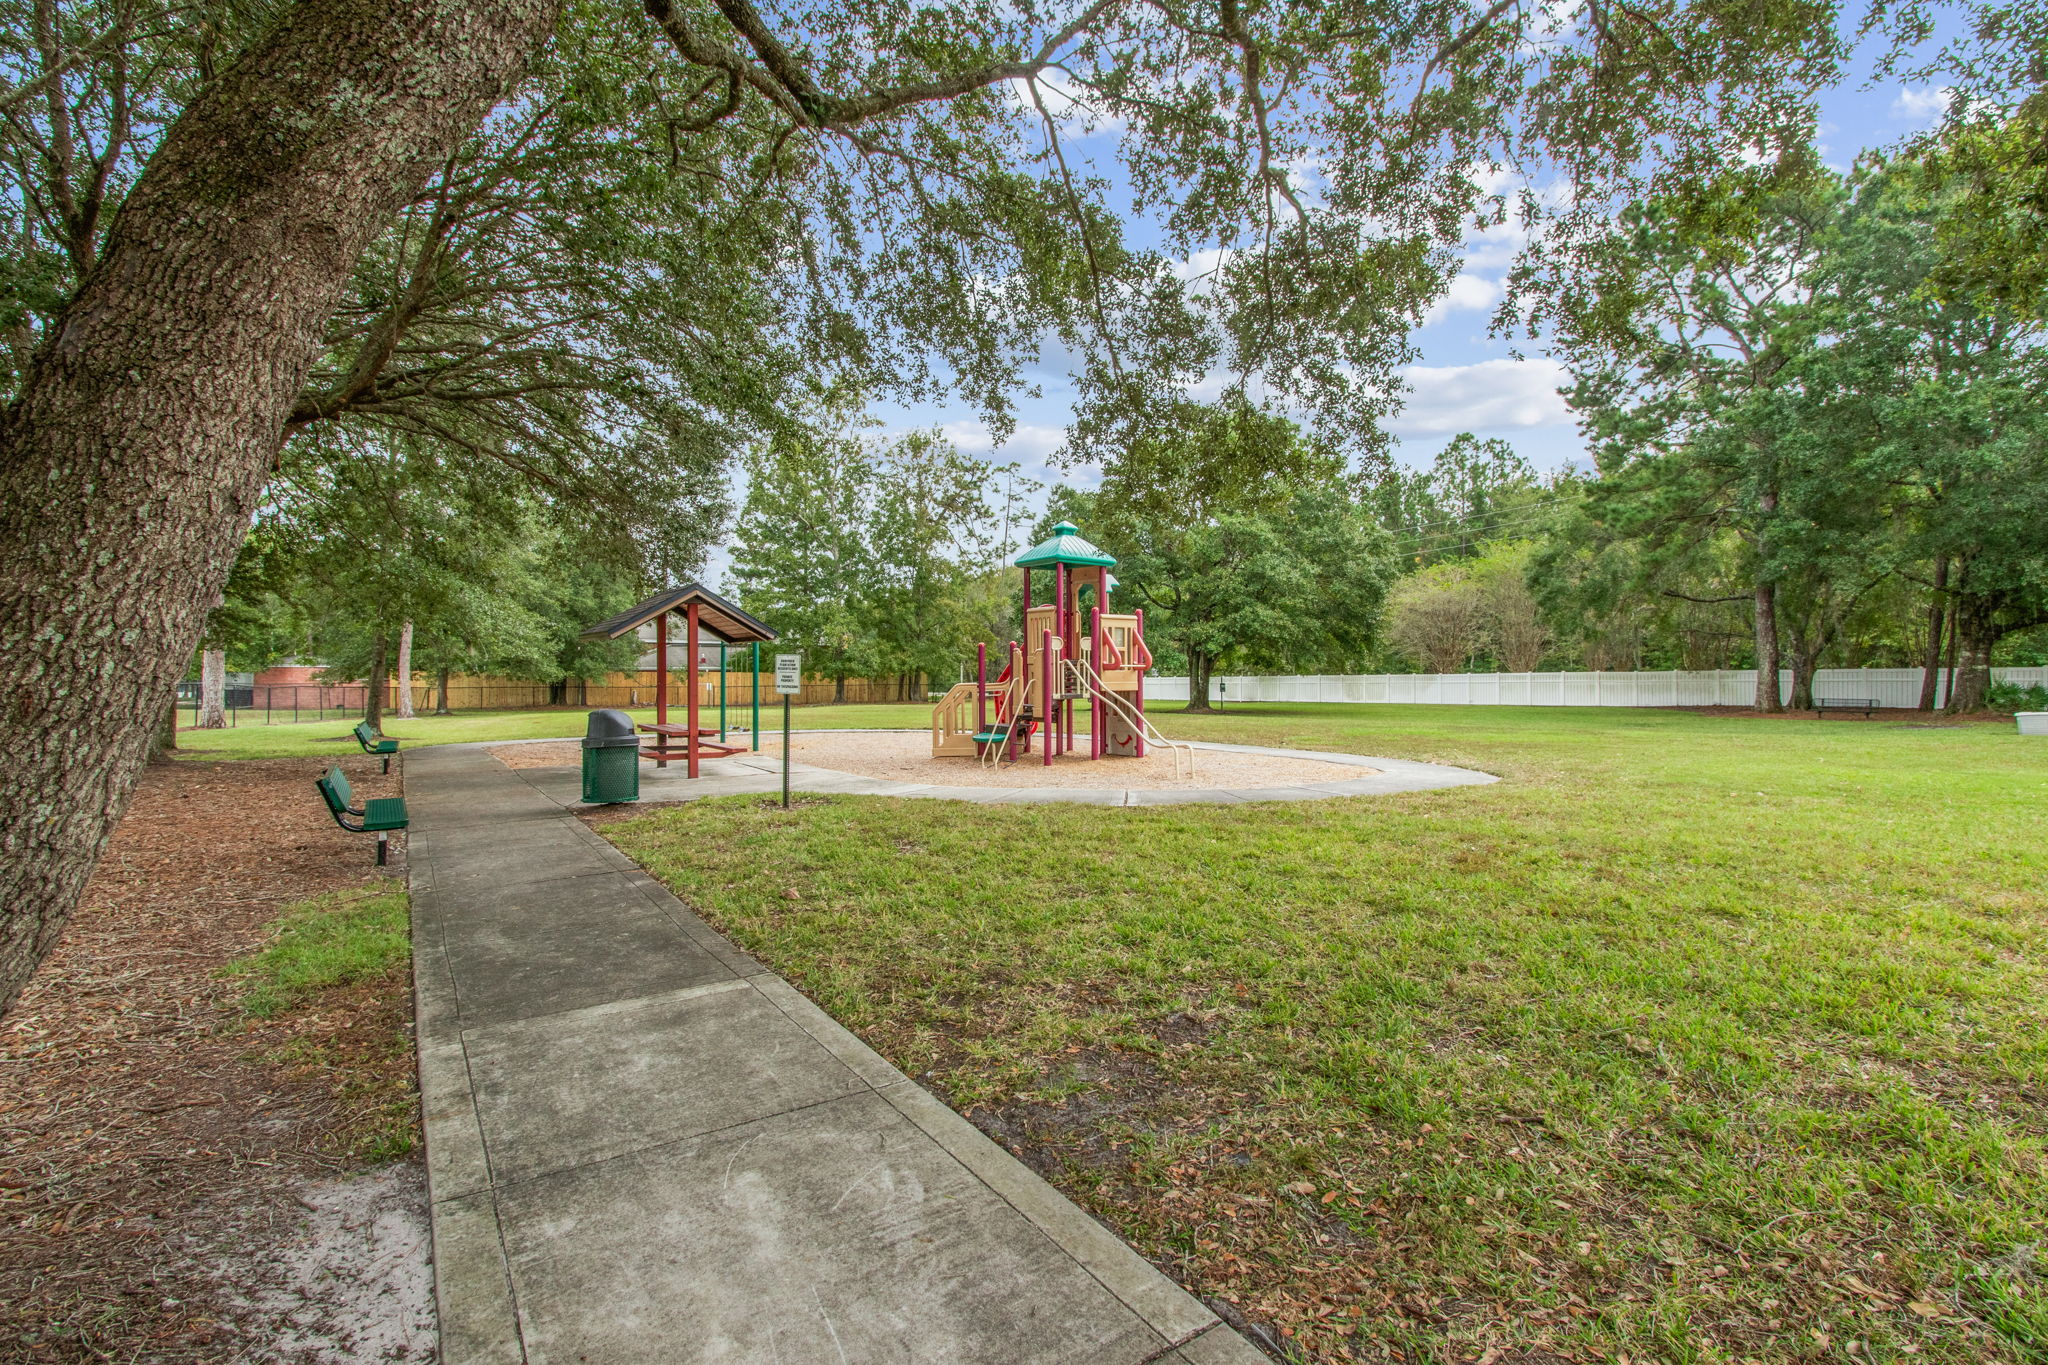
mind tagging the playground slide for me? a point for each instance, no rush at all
(1091, 685)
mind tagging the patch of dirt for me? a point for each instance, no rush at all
(352, 1280)
(167, 1162)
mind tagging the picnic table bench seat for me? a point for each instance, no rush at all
(664, 747)
(378, 816)
(375, 744)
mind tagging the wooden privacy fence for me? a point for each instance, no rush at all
(1892, 687)
(629, 692)
(284, 703)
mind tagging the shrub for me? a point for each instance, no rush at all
(2005, 696)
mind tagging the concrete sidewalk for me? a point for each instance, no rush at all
(643, 1146)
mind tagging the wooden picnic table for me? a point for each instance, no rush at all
(694, 742)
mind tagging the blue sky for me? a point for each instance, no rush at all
(1463, 380)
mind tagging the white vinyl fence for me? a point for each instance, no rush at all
(1720, 687)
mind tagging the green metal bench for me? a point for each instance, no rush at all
(378, 817)
(375, 744)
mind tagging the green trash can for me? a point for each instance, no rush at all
(611, 759)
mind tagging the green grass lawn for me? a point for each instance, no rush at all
(323, 738)
(320, 950)
(1693, 1039)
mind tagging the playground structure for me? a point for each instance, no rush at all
(1074, 650)
(704, 614)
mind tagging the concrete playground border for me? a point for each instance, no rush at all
(762, 772)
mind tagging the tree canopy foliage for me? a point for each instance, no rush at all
(876, 558)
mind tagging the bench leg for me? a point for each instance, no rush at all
(383, 847)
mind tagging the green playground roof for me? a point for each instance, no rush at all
(1065, 547)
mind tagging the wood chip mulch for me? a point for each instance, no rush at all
(149, 1132)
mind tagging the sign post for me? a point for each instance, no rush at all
(789, 680)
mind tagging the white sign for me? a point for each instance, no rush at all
(789, 673)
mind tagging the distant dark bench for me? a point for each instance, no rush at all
(1866, 705)
(378, 817)
(375, 744)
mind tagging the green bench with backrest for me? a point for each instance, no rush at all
(1823, 705)
(378, 816)
(375, 744)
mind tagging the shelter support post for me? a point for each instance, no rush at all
(690, 747)
(661, 680)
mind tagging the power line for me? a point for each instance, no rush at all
(1420, 544)
(1519, 507)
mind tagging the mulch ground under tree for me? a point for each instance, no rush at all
(153, 1137)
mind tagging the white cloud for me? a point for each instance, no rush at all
(1199, 270)
(1922, 106)
(1490, 396)
(1029, 443)
(1468, 293)
(1077, 110)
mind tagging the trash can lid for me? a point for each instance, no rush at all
(609, 729)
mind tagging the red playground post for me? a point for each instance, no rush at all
(1096, 720)
(1139, 692)
(1045, 690)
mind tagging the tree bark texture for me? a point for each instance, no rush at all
(441, 690)
(405, 671)
(380, 683)
(166, 741)
(1949, 692)
(1198, 681)
(145, 429)
(1804, 665)
(1977, 632)
(1937, 618)
(213, 689)
(1767, 655)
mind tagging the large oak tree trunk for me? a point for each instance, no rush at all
(1198, 681)
(213, 689)
(405, 672)
(441, 690)
(1976, 633)
(144, 430)
(1937, 619)
(1767, 654)
(1766, 615)
(166, 741)
(1805, 664)
(379, 685)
